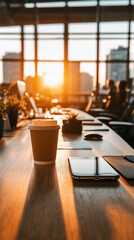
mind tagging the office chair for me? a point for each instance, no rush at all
(125, 116)
(125, 130)
(125, 127)
(93, 111)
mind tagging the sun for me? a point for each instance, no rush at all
(52, 79)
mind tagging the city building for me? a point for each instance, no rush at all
(86, 83)
(117, 70)
(11, 69)
(74, 78)
(78, 82)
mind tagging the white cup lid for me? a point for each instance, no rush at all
(44, 122)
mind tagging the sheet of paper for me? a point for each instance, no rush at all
(86, 119)
(74, 145)
(92, 123)
(96, 129)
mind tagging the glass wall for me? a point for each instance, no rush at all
(81, 54)
(10, 54)
(50, 55)
(113, 52)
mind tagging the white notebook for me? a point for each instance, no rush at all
(84, 145)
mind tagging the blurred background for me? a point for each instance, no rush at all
(66, 49)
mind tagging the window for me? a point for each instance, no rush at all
(10, 54)
(90, 51)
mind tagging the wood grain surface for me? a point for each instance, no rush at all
(44, 202)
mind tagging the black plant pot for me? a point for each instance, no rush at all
(13, 117)
(1, 128)
(72, 126)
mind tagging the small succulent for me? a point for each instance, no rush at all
(73, 117)
(72, 124)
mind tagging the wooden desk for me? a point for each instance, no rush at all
(43, 202)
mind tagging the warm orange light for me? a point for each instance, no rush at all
(52, 79)
(37, 97)
(119, 217)
(92, 94)
(31, 113)
(127, 90)
(104, 100)
(26, 94)
(69, 210)
(5, 92)
(55, 100)
(48, 114)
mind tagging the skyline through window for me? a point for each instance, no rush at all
(82, 49)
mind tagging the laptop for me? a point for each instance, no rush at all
(34, 106)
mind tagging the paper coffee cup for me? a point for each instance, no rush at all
(44, 138)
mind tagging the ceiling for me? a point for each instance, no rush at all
(15, 12)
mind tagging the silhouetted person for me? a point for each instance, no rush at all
(111, 104)
(121, 96)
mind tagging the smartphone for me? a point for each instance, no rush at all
(129, 158)
(94, 168)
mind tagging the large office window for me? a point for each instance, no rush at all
(50, 55)
(10, 54)
(82, 54)
(80, 49)
(113, 51)
(29, 51)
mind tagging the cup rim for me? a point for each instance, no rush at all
(44, 127)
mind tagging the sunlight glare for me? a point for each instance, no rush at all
(52, 79)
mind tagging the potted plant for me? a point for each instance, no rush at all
(2, 117)
(14, 105)
(72, 124)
